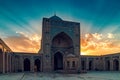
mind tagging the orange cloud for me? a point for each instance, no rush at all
(23, 42)
(99, 44)
(91, 44)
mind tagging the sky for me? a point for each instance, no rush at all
(21, 23)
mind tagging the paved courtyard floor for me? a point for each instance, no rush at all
(55, 76)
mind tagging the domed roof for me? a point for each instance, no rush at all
(70, 55)
(55, 18)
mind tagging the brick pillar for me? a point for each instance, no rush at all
(87, 64)
(111, 65)
(41, 63)
(3, 61)
(7, 61)
(94, 64)
(10, 62)
(32, 64)
(79, 63)
(21, 62)
(103, 61)
(13, 65)
(119, 64)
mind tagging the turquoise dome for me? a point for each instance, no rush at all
(55, 18)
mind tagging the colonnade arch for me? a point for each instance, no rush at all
(26, 64)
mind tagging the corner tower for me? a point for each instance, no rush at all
(60, 45)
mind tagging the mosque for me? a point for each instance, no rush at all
(60, 52)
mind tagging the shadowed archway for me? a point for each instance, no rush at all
(26, 64)
(115, 65)
(90, 65)
(107, 65)
(62, 41)
(83, 63)
(58, 61)
(37, 64)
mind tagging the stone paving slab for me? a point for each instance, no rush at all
(56, 76)
(11, 76)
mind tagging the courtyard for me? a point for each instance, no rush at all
(103, 75)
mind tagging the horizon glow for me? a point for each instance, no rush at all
(21, 23)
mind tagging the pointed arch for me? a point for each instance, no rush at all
(62, 40)
(26, 64)
(91, 65)
(37, 63)
(58, 61)
(115, 65)
(107, 65)
(83, 63)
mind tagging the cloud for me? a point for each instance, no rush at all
(110, 35)
(91, 44)
(88, 35)
(32, 37)
(94, 36)
(24, 42)
(97, 44)
(97, 36)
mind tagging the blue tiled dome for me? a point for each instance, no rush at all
(55, 18)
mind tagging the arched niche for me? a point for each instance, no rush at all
(37, 64)
(62, 40)
(26, 64)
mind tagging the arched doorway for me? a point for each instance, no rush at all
(116, 65)
(37, 64)
(61, 42)
(107, 65)
(26, 64)
(83, 65)
(58, 61)
(90, 65)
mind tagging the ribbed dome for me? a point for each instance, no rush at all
(55, 18)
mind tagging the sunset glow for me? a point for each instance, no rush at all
(24, 42)
(21, 23)
(100, 44)
(83, 53)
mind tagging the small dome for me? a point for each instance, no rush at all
(70, 55)
(55, 18)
